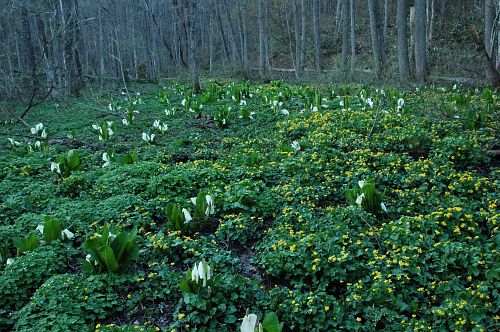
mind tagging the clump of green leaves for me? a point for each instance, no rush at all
(222, 117)
(365, 195)
(203, 206)
(65, 164)
(25, 244)
(51, 231)
(239, 91)
(121, 159)
(199, 278)
(178, 219)
(104, 129)
(68, 302)
(20, 279)
(108, 252)
(211, 94)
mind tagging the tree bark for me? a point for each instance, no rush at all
(296, 29)
(420, 41)
(375, 36)
(489, 23)
(192, 14)
(316, 35)
(262, 45)
(232, 34)
(353, 34)
(402, 23)
(303, 36)
(346, 17)
(29, 51)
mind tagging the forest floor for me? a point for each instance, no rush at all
(335, 207)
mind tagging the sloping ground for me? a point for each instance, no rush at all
(282, 237)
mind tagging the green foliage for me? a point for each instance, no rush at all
(121, 159)
(52, 229)
(283, 239)
(4, 253)
(104, 129)
(222, 117)
(366, 196)
(20, 279)
(26, 244)
(203, 207)
(110, 253)
(239, 91)
(69, 302)
(64, 165)
(211, 94)
(178, 219)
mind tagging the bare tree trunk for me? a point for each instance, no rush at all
(338, 17)
(268, 37)
(383, 41)
(489, 65)
(345, 34)
(353, 34)
(316, 33)
(432, 21)
(29, 51)
(290, 47)
(489, 23)
(420, 41)
(303, 36)
(443, 12)
(101, 49)
(296, 27)
(402, 22)
(242, 28)
(245, 35)
(375, 36)
(191, 19)
(232, 34)
(77, 51)
(262, 45)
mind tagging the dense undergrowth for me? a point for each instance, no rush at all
(413, 246)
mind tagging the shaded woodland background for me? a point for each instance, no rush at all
(55, 47)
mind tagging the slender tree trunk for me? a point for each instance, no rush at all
(303, 36)
(489, 23)
(383, 38)
(191, 18)
(223, 34)
(420, 41)
(375, 36)
(296, 27)
(77, 51)
(443, 13)
(338, 17)
(432, 21)
(242, 35)
(346, 17)
(353, 34)
(262, 45)
(232, 34)
(292, 55)
(267, 36)
(402, 23)
(245, 35)
(29, 51)
(316, 33)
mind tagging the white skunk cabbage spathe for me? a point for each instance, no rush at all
(249, 323)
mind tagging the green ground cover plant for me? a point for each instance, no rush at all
(300, 207)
